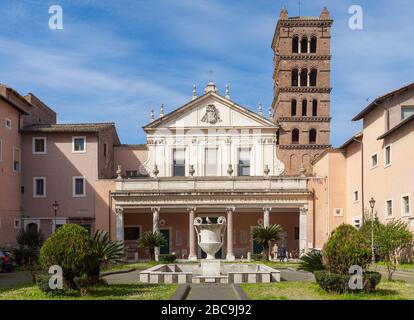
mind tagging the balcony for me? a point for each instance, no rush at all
(206, 184)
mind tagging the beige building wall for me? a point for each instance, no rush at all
(59, 166)
(10, 179)
(130, 157)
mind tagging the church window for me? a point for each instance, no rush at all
(179, 162)
(244, 162)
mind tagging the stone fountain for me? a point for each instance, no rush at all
(210, 238)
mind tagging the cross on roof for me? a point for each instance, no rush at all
(210, 75)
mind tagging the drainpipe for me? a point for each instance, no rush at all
(362, 179)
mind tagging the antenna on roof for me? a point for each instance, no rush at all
(299, 3)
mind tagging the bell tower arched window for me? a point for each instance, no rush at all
(295, 44)
(295, 136)
(304, 78)
(312, 136)
(304, 45)
(293, 107)
(295, 76)
(304, 108)
(314, 108)
(313, 43)
(313, 78)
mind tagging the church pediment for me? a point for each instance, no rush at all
(211, 110)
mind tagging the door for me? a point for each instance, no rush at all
(166, 234)
(257, 248)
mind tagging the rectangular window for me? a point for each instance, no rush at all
(388, 208)
(338, 212)
(406, 112)
(179, 162)
(374, 161)
(16, 159)
(244, 162)
(131, 233)
(39, 187)
(79, 186)
(405, 205)
(79, 144)
(105, 149)
(356, 221)
(356, 196)
(387, 156)
(8, 123)
(211, 161)
(39, 145)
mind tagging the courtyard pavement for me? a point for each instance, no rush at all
(211, 292)
(14, 279)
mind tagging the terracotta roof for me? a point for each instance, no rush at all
(398, 126)
(77, 127)
(381, 99)
(13, 104)
(139, 145)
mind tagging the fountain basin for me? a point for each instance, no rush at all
(193, 273)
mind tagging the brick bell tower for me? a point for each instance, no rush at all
(301, 103)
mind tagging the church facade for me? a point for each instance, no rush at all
(213, 157)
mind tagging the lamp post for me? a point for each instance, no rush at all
(55, 206)
(372, 205)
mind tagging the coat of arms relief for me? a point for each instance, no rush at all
(212, 115)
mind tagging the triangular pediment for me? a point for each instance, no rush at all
(211, 110)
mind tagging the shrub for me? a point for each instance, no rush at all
(168, 258)
(311, 262)
(42, 281)
(72, 248)
(339, 283)
(345, 248)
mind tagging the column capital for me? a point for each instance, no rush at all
(191, 209)
(155, 209)
(267, 209)
(119, 211)
(230, 209)
(303, 210)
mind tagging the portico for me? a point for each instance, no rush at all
(171, 211)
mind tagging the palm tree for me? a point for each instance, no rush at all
(265, 235)
(311, 262)
(151, 240)
(108, 251)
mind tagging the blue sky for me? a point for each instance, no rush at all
(116, 60)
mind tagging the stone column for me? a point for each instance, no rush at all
(156, 226)
(192, 256)
(119, 224)
(299, 72)
(308, 79)
(309, 45)
(266, 216)
(303, 230)
(230, 254)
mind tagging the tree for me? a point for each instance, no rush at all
(266, 235)
(391, 239)
(151, 240)
(107, 251)
(346, 247)
(73, 249)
